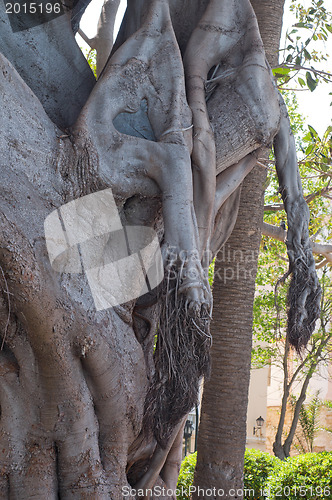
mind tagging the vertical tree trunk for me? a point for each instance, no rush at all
(222, 434)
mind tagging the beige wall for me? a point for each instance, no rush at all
(323, 439)
(265, 393)
(257, 407)
(321, 381)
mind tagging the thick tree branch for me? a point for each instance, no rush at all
(51, 63)
(276, 207)
(87, 40)
(280, 234)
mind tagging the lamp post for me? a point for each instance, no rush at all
(188, 431)
(259, 424)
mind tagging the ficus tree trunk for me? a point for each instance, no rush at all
(115, 195)
(222, 433)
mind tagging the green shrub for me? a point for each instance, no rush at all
(307, 476)
(186, 476)
(258, 465)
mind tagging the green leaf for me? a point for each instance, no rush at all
(313, 132)
(328, 131)
(312, 84)
(307, 54)
(298, 60)
(281, 71)
(309, 149)
(301, 82)
(307, 137)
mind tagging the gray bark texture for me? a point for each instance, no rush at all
(91, 404)
(222, 435)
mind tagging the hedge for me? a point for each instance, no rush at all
(186, 476)
(258, 465)
(307, 476)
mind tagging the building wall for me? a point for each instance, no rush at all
(257, 407)
(323, 440)
(273, 414)
(265, 394)
(321, 382)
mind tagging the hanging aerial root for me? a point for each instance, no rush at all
(303, 300)
(304, 293)
(181, 360)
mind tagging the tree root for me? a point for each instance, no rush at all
(159, 460)
(181, 358)
(304, 291)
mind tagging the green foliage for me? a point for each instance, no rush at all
(186, 476)
(257, 467)
(296, 119)
(317, 152)
(309, 422)
(91, 57)
(327, 404)
(211, 273)
(300, 54)
(306, 476)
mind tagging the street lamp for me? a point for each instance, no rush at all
(187, 433)
(259, 424)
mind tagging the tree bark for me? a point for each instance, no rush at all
(222, 431)
(222, 434)
(51, 64)
(89, 404)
